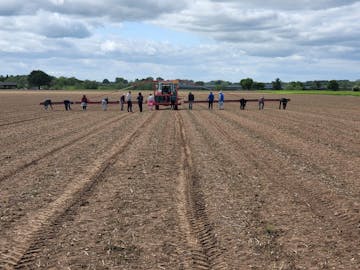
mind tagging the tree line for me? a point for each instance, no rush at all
(38, 79)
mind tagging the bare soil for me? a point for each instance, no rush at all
(200, 189)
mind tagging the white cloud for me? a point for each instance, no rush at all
(250, 38)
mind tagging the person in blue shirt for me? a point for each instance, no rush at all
(221, 100)
(211, 100)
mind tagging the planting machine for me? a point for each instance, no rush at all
(166, 94)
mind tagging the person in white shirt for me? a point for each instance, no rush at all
(129, 102)
(104, 103)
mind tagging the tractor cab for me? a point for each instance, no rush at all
(166, 94)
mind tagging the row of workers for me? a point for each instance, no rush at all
(243, 101)
(151, 102)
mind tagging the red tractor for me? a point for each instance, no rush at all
(166, 94)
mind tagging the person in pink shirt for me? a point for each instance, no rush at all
(150, 102)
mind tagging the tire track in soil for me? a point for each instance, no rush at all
(138, 197)
(324, 204)
(315, 193)
(205, 253)
(254, 218)
(34, 117)
(56, 123)
(68, 144)
(29, 237)
(23, 121)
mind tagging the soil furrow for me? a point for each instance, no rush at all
(123, 221)
(22, 121)
(254, 217)
(69, 143)
(57, 211)
(315, 133)
(318, 200)
(192, 189)
(304, 153)
(201, 237)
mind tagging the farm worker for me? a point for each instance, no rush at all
(173, 101)
(104, 103)
(261, 103)
(284, 102)
(242, 103)
(150, 102)
(221, 100)
(191, 99)
(211, 100)
(84, 102)
(140, 100)
(129, 102)
(122, 102)
(67, 103)
(47, 104)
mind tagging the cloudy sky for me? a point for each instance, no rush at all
(188, 39)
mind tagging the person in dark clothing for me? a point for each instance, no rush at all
(211, 100)
(47, 104)
(140, 100)
(261, 103)
(242, 103)
(84, 102)
(122, 102)
(284, 102)
(191, 99)
(67, 104)
(173, 102)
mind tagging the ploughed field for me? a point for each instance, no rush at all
(200, 189)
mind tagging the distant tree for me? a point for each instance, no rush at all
(121, 80)
(73, 81)
(39, 78)
(258, 86)
(66, 83)
(247, 83)
(295, 86)
(317, 85)
(219, 87)
(345, 84)
(90, 84)
(333, 85)
(218, 82)
(200, 83)
(106, 81)
(159, 79)
(21, 80)
(356, 86)
(277, 85)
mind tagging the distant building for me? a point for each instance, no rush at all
(268, 86)
(8, 85)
